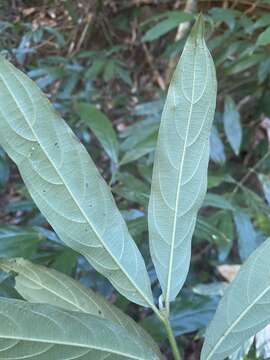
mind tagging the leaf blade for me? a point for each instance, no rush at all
(242, 311)
(39, 284)
(173, 167)
(64, 182)
(44, 332)
(101, 127)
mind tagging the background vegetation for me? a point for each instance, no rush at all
(106, 65)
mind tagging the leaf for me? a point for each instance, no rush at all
(232, 125)
(180, 170)
(265, 182)
(262, 21)
(43, 332)
(244, 63)
(39, 284)
(65, 184)
(244, 309)
(101, 127)
(263, 343)
(217, 201)
(142, 148)
(264, 38)
(4, 169)
(166, 25)
(19, 241)
(241, 353)
(217, 152)
(133, 189)
(247, 242)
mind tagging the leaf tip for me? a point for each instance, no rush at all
(197, 31)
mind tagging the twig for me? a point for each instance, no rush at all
(157, 75)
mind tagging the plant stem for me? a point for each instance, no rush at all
(164, 318)
(171, 339)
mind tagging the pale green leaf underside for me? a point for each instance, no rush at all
(39, 284)
(244, 310)
(42, 332)
(66, 186)
(181, 160)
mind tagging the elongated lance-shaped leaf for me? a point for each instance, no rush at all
(180, 169)
(66, 186)
(40, 284)
(42, 332)
(244, 310)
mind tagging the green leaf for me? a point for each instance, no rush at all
(262, 21)
(101, 127)
(142, 148)
(65, 184)
(264, 38)
(245, 63)
(244, 310)
(43, 332)
(247, 242)
(39, 284)
(181, 160)
(217, 201)
(19, 241)
(232, 125)
(164, 26)
(133, 189)
(217, 152)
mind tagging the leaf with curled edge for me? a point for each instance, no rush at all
(40, 284)
(66, 186)
(181, 160)
(42, 332)
(244, 309)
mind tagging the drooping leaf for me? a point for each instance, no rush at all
(101, 127)
(43, 332)
(166, 25)
(217, 152)
(232, 125)
(245, 63)
(218, 201)
(39, 284)
(133, 189)
(180, 169)
(141, 149)
(247, 242)
(65, 184)
(19, 241)
(244, 309)
(264, 38)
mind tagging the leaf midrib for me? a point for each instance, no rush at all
(223, 337)
(69, 190)
(42, 285)
(179, 184)
(74, 344)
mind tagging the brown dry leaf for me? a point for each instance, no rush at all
(228, 272)
(28, 11)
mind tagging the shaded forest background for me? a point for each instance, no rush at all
(106, 65)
